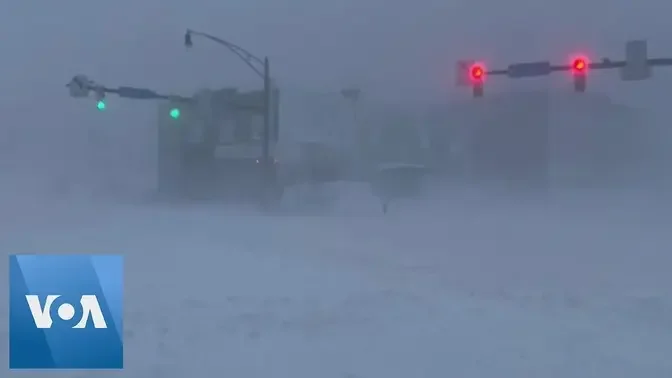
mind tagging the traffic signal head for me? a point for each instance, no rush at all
(101, 105)
(477, 72)
(175, 113)
(579, 66)
(477, 76)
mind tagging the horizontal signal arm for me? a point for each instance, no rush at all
(604, 64)
(498, 72)
(660, 62)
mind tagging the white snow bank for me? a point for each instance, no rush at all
(489, 293)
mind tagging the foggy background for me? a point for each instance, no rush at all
(393, 50)
(476, 288)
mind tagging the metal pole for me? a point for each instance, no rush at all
(267, 179)
(267, 114)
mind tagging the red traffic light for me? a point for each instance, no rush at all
(477, 72)
(579, 65)
(579, 68)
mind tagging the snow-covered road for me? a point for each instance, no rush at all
(440, 291)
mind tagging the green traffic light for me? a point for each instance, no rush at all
(101, 105)
(175, 113)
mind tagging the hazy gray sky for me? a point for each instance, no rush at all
(392, 43)
(393, 47)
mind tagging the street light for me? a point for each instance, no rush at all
(253, 62)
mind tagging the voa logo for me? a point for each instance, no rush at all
(42, 312)
(66, 312)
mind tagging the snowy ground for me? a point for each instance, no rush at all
(464, 288)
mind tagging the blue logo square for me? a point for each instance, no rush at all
(66, 312)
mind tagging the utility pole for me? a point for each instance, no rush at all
(268, 103)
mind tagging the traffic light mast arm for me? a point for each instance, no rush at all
(497, 72)
(636, 66)
(81, 87)
(604, 64)
(142, 94)
(138, 93)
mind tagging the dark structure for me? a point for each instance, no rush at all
(215, 149)
(541, 140)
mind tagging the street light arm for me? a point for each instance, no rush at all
(81, 86)
(243, 54)
(250, 59)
